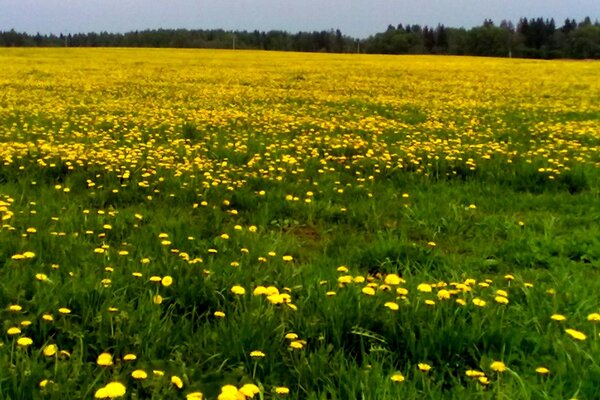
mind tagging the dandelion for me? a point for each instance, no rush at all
(424, 287)
(64, 310)
(139, 374)
(282, 390)
(175, 380)
(594, 317)
(558, 317)
(219, 314)
(397, 377)
(111, 391)
(576, 334)
(257, 354)
(13, 331)
(194, 396)
(238, 290)
(369, 291)
(501, 300)
(249, 390)
(24, 341)
(392, 306)
(423, 367)
(129, 357)
(105, 360)
(479, 302)
(498, 366)
(50, 350)
(542, 370)
(167, 281)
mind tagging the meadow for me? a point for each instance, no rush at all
(198, 224)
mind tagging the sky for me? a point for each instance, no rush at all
(357, 18)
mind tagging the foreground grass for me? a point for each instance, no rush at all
(333, 226)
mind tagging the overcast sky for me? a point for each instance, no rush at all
(358, 18)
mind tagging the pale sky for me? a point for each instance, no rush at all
(358, 18)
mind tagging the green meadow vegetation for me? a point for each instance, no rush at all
(234, 225)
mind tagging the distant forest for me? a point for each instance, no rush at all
(529, 38)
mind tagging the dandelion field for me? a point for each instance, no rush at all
(215, 224)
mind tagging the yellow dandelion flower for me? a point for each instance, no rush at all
(219, 314)
(424, 287)
(392, 306)
(558, 317)
(498, 366)
(397, 377)
(542, 370)
(249, 390)
(50, 350)
(139, 374)
(424, 367)
(175, 380)
(24, 341)
(501, 300)
(111, 391)
(194, 396)
(369, 291)
(238, 290)
(105, 360)
(576, 334)
(167, 281)
(257, 354)
(282, 390)
(13, 331)
(479, 302)
(594, 317)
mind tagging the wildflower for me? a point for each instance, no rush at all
(288, 258)
(291, 336)
(397, 377)
(15, 308)
(24, 342)
(484, 380)
(342, 268)
(479, 302)
(501, 300)
(594, 317)
(105, 360)
(558, 317)
(41, 277)
(424, 287)
(443, 294)
(424, 367)
(282, 390)
(129, 357)
(64, 310)
(249, 390)
(111, 391)
(139, 374)
(542, 370)
(157, 299)
(44, 383)
(297, 344)
(167, 281)
(576, 334)
(392, 306)
(158, 372)
(498, 366)
(474, 373)
(50, 350)
(369, 291)
(175, 380)
(238, 290)
(257, 354)
(13, 331)
(219, 314)
(194, 396)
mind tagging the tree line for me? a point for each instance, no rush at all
(530, 38)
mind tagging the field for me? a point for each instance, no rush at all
(216, 224)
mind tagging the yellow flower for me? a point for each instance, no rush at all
(594, 317)
(424, 287)
(219, 314)
(249, 390)
(288, 258)
(257, 354)
(558, 317)
(50, 350)
(175, 380)
(369, 291)
(474, 373)
(397, 377)
(297, 344)
(282, 390)
(45, 383)
(157, 299)
(498, 366)
(13, 331)
(392, 306)
(105, 360)
(64, 310)
(129, 357)
(139, 374)
(479, 302)
(24, 341)
(238, 290)
(111, 391)
(291, 336)
(342, 268)
(15, 308)
(576, 334)
(501, 300)
(443, 294)
(167, 281)
(542, 370)
(424, 367)
(393, 279)
(194, 396)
